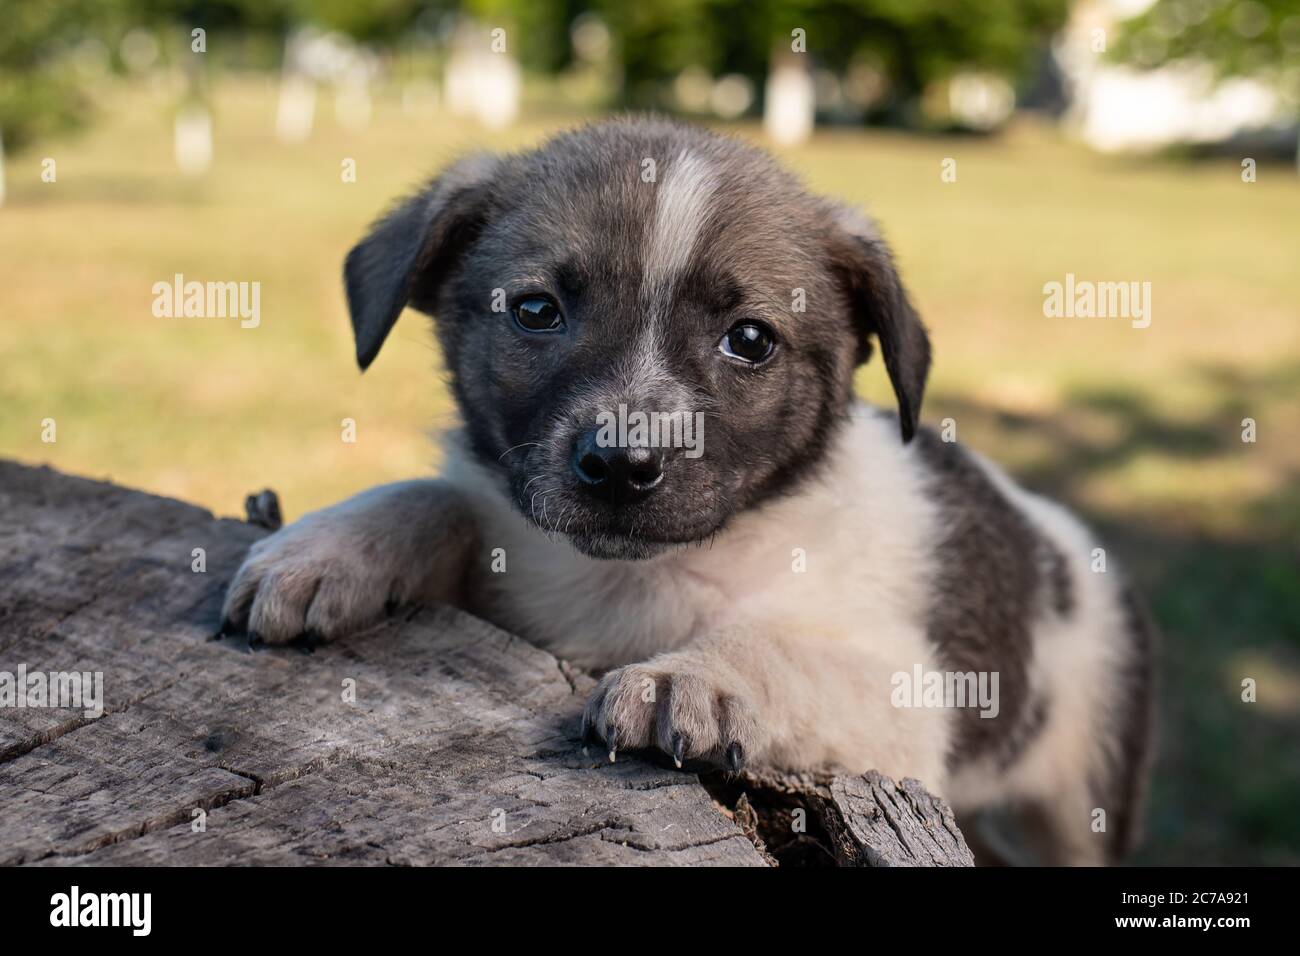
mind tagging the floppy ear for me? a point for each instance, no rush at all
(411, 249)
(881, 308)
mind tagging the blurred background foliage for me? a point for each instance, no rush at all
(909, 43)
(230, 164)
(891, 55)
(1250, 37)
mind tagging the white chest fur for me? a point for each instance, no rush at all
(847, 557)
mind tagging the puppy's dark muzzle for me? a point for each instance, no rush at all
(616, 474)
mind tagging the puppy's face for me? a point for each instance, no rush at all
(649, 328)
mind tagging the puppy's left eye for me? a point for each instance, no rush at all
(539, 313)
(751, 342)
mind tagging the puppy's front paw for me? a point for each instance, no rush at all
(677, 706)
(312, 580)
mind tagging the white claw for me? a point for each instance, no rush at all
(611, 756)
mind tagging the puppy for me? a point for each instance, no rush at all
(766, 594)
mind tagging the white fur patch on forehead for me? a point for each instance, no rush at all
(682, 204)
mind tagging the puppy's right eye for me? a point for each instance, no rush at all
(539, 313)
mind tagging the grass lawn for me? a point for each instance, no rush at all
(1140, 429)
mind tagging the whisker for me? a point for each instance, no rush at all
(520, 445)
(532, 507)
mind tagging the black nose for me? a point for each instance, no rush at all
(614, 473)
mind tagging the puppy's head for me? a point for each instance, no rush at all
(649, 328)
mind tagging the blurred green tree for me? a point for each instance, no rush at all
(1238, 37)
(52, 52)
(911, 42)
(377, 22)
(540, 28)
(42, 88)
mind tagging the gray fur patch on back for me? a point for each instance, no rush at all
(997, 576)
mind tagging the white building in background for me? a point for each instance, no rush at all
(981, 101)
(311, 58)
(482, 79)
(352, 105)
(1114, 107)
(295, 110)
(192, 140)
(789, 100)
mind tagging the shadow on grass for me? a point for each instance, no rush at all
(1227, 782)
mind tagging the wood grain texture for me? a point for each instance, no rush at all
(457, 744)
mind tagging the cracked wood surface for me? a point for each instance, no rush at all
(460, 747)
